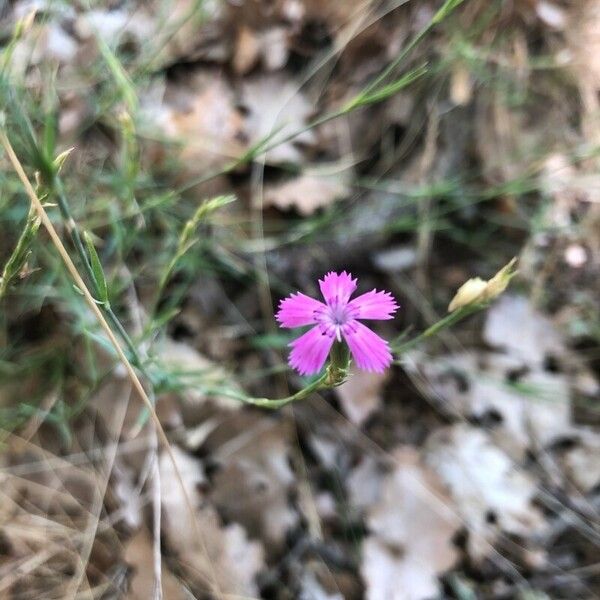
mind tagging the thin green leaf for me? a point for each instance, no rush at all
(99, 278)
(387, 90)
(20, 254)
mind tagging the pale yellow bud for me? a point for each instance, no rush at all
(499, 282)
(59, 161)
(467, 293)
(478, 290)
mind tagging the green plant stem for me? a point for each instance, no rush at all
(319, 384)
(335, 374)
(447, 321)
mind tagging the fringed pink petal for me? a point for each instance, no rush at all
(370, 352)
(373, 305)
(298, 310)
(310, 351)
(337, 288)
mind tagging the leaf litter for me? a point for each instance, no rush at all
(413, 489)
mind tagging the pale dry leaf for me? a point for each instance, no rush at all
(336, 13)
(551, 14)
(311, 589)
(177, 520)
(247, 50)
(411, 529)
(364, 483)
(275, 48)
(562, 182)
(192, 367)
(124, 482)
(270, 45)
(491, 493)
(200, 114)
(275, 106)
(45, 43)
(255, 480)
(308, 192)
(461, 86)
(527, 408)
(138, 555)
(583, 33)
(185, 29)
(361, 394)
(396, 259)
(514, 325)
(216, 557)
(582, 461)
(115, 26)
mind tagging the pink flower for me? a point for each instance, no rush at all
(336, 320)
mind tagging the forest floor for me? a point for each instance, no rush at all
(202, 159)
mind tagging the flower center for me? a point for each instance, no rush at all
(334, 317)
(338, 314)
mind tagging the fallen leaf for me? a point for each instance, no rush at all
(308, 192)
(247, 50)
(361, 395)
(189, 31)
(411, 529)
(582, 461)
(551, 14)
(583, 36)
(312, 590)
(215, 557)
(254, 482)
(514, 325)
(396, 259)
(43, 43)
(138, 554)
(275, 105)
(364, 483)
(491, 493)
(200, 114)
(525, 408)
(192, 367)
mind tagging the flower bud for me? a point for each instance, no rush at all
(467, 293)
(499, 282)
(478, 290)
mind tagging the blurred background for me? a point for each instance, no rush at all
(200, 160)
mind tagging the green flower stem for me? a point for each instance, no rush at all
(319, 384)
(399, 347)
(335, 374)
(339, 363)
